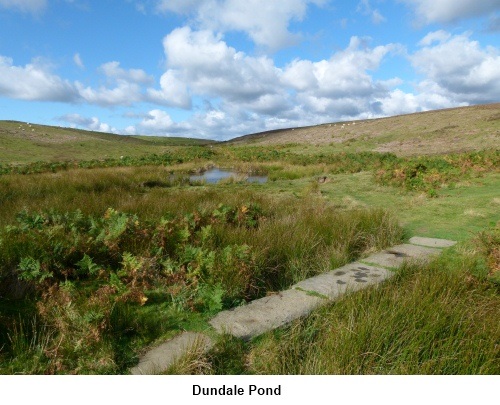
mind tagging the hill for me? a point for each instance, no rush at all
(440, 131)
(432, 132)
(21, 142)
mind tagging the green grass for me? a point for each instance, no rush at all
(457, 213)
(436, 319)
(103, 256)
(56, 144)
(440, 318)
(104, 283)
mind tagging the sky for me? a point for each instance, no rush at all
(224, 68)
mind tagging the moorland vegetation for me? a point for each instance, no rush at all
(101, 258)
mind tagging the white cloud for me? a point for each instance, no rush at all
(26, 6)
(131, 130)
(92, 123)
(398, 102)
(445, 11)
(174, 92)
(159, 122)
(377, 17)
(124, 87)
(345, 74)
(208, 66)
(33, 82)
(253, 95)
(269, 104)
(124, 93)
(157, 119)
(114, 71)
(78, 61)
(265, 22)
(300, 75)
(364, 7)
(435, 36)
(460, 68)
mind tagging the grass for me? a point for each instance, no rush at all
(105, 283)
(434, 132)
(440, 318)
(103, 256)
(436, 319)
(21, 144)
(457, 213)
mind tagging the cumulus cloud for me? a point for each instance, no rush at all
(253, 94)
(445, 11)
(208, 66)
(265, 22)
(25, 6)
(124, 93)
(173, 91)
(90, 123)
(114, 71)
(34, 82)
(124, 86)
(398, 102)
(436, 36)
(459, 68)
(345, 74)
(269, 104)
(159, 122)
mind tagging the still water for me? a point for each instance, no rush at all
(214, 175)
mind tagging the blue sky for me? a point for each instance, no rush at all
(224, 68)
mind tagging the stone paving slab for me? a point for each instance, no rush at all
(160, 358)
(396, 255)
(432, 242)
(265, 314)
(351, 277)
(271, 312)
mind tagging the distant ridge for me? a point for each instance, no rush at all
(436, 131)
(22, 142)
(429, 132)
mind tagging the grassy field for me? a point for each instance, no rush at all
(103, 257)
(22, 143)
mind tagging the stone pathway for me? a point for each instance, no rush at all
(271, 312)
(160, 358)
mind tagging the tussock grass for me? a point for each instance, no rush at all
(227, 357)
(234, 242)
(436, 319)
(105, 282)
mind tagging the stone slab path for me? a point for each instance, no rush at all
(273, 311)
(160, 358)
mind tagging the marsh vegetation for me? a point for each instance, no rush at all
(99, 259)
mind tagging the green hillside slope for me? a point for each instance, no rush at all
(25, 143)
(440, 131)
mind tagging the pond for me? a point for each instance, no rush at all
(214, 175)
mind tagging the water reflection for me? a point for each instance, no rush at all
(214, 175)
